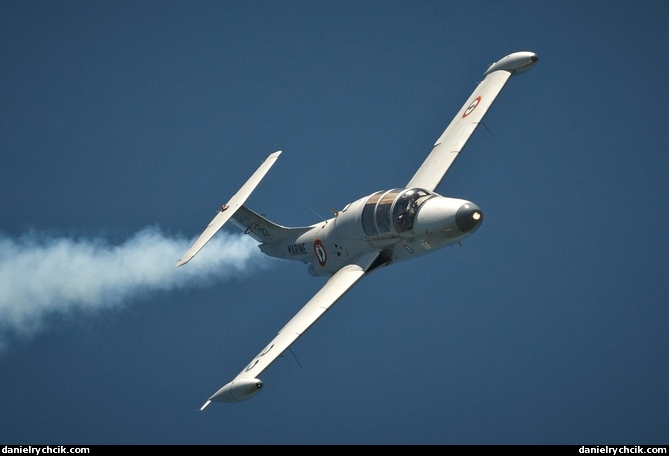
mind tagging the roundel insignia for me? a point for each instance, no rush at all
(471, 107)
(321, 254)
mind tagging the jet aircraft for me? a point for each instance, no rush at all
(385, 227)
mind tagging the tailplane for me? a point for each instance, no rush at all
(228, 210)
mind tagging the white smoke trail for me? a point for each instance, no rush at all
(42, 275)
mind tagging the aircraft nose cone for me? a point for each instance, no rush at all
(468, 217)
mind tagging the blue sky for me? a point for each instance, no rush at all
(125, 125)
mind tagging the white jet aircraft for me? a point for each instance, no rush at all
(376, 230)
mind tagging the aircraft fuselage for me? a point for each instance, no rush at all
(402, 223)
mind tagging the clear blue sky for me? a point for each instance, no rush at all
(125, 125)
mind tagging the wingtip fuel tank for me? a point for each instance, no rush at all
(237, 390)
(516, 63)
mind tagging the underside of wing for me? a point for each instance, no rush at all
(246, 384)
(455, 137)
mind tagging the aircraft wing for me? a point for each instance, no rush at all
(455, 137)
(246, 384)
(230, 208)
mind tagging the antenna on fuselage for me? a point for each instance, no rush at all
(317, 214)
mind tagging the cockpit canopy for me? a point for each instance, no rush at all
(390, 210)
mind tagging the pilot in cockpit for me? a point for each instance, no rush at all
(407, 211)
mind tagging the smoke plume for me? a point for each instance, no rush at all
(42, 275)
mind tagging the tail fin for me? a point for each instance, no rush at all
(261, 229)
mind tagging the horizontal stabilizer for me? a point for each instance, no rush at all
(229, 209)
